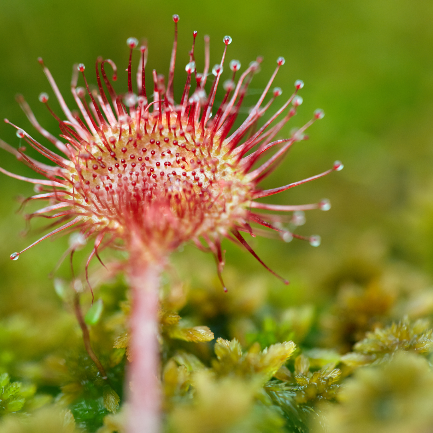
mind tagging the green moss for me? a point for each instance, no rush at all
(392, 397)
(414, 337)
(50, 419)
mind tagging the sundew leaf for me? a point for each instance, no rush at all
(61, 288)
(94, 314)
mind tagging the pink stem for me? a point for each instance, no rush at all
(142, 384)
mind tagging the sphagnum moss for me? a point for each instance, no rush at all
(393, 397)
(380, 344)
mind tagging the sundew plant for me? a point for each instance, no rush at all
(142, 172)
(141, 167)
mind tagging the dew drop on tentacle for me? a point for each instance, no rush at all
(319, 114)
(190, 67)
(299, 84)
(15, 256)
(338, 166)
(281, 61)
(228, 85)
(132, 42)
(227, 40)
(130, 99)
(287, 236)
(217, 69)
(315, 240)
(297, 134)
(235, 65)
(43, 97)
(20, 133)
(297, 101)
(81, 93)
(77, 241)
(324, 204)
(298, 218)
(277, 91)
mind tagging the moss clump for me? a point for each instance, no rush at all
(413, 337)
(50, 419)
(393, 397)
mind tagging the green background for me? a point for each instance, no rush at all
(368, 64)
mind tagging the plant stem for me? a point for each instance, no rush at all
(142, 384)
(86, 336)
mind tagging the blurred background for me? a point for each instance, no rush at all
(368, 65)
